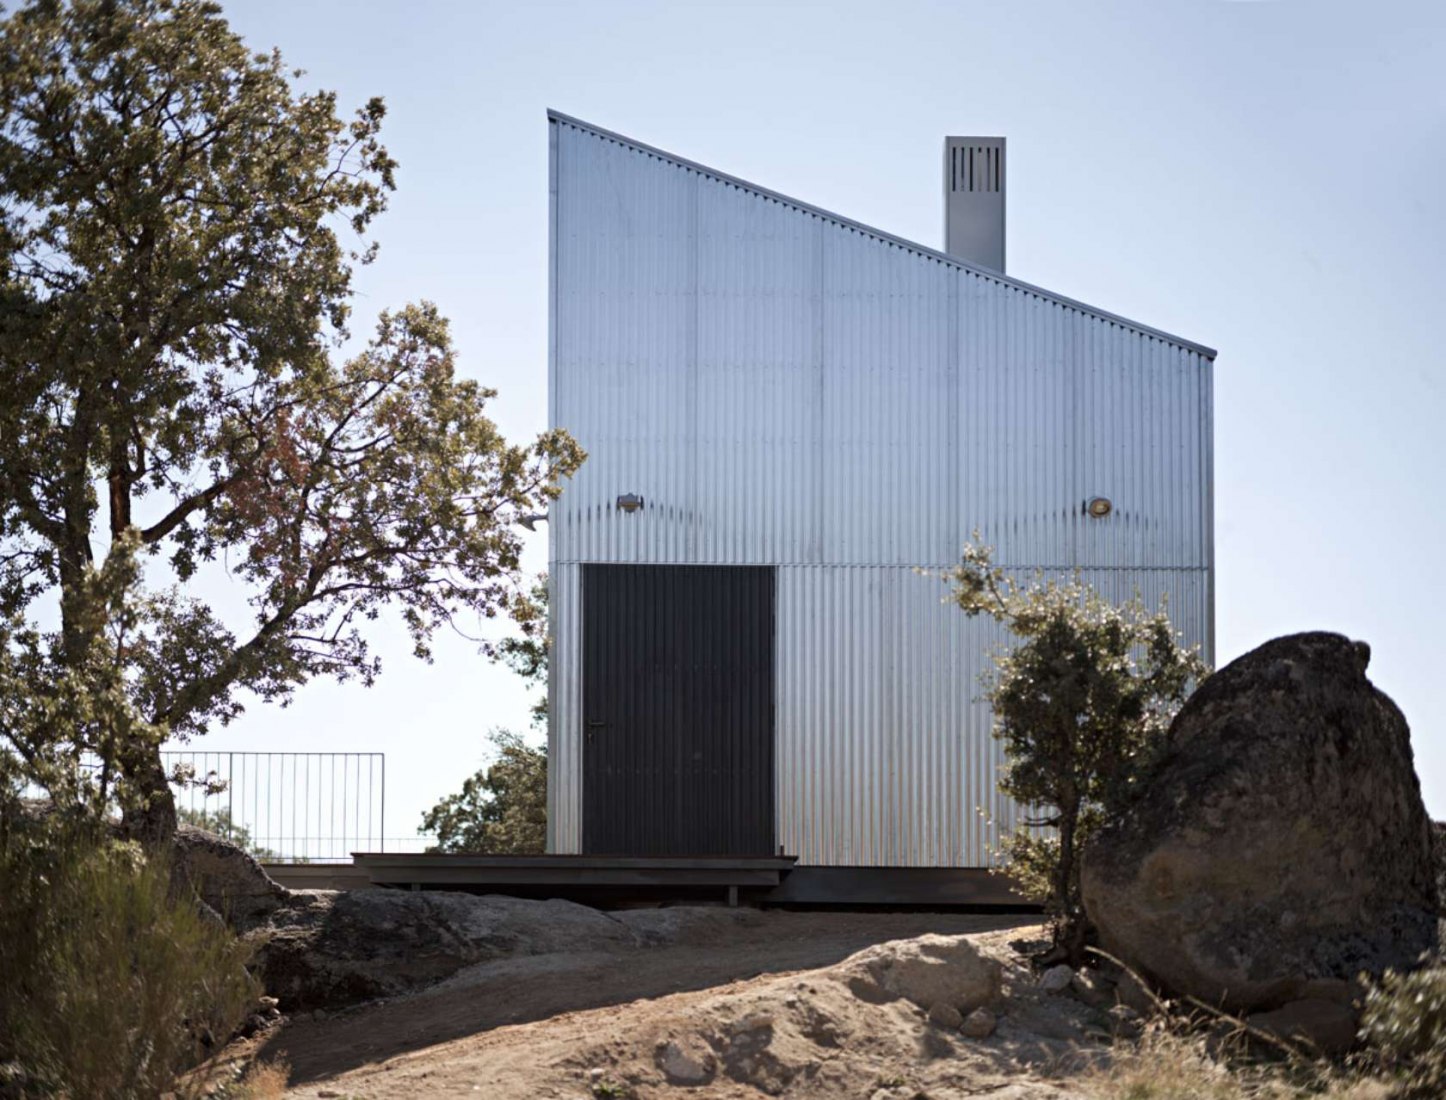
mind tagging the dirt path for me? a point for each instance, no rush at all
(514, 1027)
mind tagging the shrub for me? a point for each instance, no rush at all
(1080, 703)
(1404, 1025)
(111, 985)
(502, 809)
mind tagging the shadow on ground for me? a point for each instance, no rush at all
(521, 990)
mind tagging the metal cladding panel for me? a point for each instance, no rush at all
(785, 387)
(564, 710)
(885, 751)
(678, 714)
(782, 387)
(885, 755)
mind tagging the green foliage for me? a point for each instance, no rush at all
(1080, 703)
(1404, 1025)
(111, 985)
(526, 652)
(175, 280)
(501, 810)
(218, 822)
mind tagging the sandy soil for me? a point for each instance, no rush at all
(585, 1025)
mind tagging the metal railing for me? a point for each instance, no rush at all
(294, 807)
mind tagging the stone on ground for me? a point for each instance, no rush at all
(979, 1024)
(690, 1064)
(946, 1016)
(1093, 988)
(929, 970)
(1328, 1026)
(1056, 979)
(1281, 846)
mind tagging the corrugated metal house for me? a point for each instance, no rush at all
(788, 413)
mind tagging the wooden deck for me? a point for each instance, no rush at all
(765, 880)
(583, 877)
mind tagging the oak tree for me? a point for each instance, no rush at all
(179, 228)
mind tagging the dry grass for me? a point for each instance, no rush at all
(111, 984)
(1172, 1065)
(264, 1081)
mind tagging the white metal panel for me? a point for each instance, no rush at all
(782, 388)
(564, 710)
(785, 387)
(885, 751)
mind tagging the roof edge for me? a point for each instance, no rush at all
(873, 231)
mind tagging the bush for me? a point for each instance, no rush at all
(1404, 1025)
(1080, 705)
(501, 810)
(111, 985)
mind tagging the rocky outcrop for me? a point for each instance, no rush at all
(1280, 847)
(226, 878)
(327, 949)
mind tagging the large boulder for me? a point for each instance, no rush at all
(1280, 847)
(226, 878)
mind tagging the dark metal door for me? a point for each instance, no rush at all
(677, 710)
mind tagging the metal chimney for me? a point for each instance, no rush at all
(974, 200)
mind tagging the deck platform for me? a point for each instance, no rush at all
(591, 878)
(625, 880)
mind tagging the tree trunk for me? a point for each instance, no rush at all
(149, 815)
(1072, 933)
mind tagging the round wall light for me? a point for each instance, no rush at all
(1099, 507)
(629, 502)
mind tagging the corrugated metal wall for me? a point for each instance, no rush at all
(784, 387)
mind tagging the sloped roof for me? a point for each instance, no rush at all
(879, 234)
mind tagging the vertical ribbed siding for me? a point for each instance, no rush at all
(781, 388)
(564, 709)
(885, 753)
(784, 388)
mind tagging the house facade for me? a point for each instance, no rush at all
(791, 419)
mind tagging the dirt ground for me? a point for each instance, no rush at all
(596, 1024)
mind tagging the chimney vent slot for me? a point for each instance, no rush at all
(974, 182)
(974, 169)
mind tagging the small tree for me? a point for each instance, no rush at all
(1080, 703)
(502, 808)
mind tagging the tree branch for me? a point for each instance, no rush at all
(177, 515)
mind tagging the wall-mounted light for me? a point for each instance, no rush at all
(629, 502)
(531, 522)
(1098, 507)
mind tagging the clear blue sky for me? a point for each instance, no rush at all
(1268, 178)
